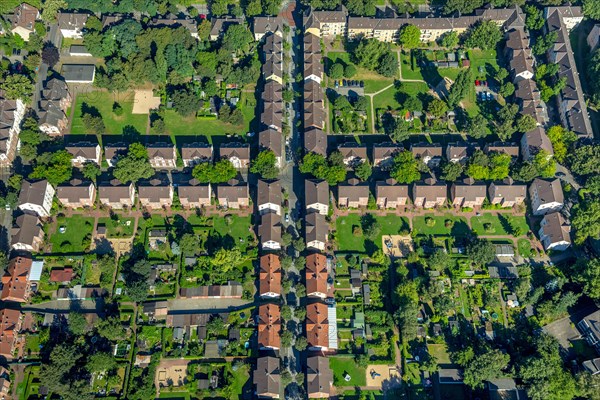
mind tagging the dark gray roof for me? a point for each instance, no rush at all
(78, 72)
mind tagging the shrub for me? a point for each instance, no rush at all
(357, 230)
(448, 223)
(117, 108)
(429, 221)
(488, 227)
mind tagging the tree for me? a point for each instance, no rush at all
(437, 108)
(215, 326)
(477, 127)
(484, 35)
(286, 339)
(562, 139)
(452, 171)
(91, 171)
(190, 244)
(525, 172)
(51, 8)
(253, 8)
(586, 220)
(110, 328)
(301, 343)
(481, 252)
(265, 165)
(439, 260)
(593, 75)
(591, 9)
(186, 102)
(336, 71)
(478, 167)
(460, 88)
(388, 65)
(501, 75)
(17, 87)
(349, 71)
(485, 367)
(50, 54)
(534, 19)
(237, 38)
(525, 123)
(56, 167)
(461, 6)
(101, 362)
(77, 323)
(134, 166)
(332, 169)
(363, 170)
(507, 89)
(585, 160)
(410, 36)
(369, 51)
(449, 40)
(222, 171)
(588, 275)
(544, 163)
(499, 165)
(543, 43)
(94, 124)
(406, 168)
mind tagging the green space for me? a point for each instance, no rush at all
(430, 224)
(390, 224)
(407, 70)
(238, 227)
(440, 353)
(101, 102)
(76, 236)
(483, 62)
(373, 81)
(498, 224)
(117, 227)
(346, 365)
(32, 344)
(525, 249)
(208, 126)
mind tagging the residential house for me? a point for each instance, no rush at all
(237, 153)
(155, 194)
(23, 20)
(84, 152)
(271, 116)
(555, 232)
(269, 231)
(316, 196)
(15, 281)
(512, 149)
(232, 290)
(10, 325)
(187, 23)
(262, 26)
(315, 141)
(521, 64)
(78, 73)
(193, 194)
(11, 115)
(54, 102)
(468, 193)
(317, 276)
(429, 193)
(314, 115)
(316, 231)
(528, 98)
(61, 275)
(196, 153)
(589, 328)
(269, 277)
(162, 155)
(459, 152)
(313, 67)
(353, 153)
(546, 196)
(535, 141)
(390, 194)
(155, 310)
(430, 154)
(326, 23)
(27, 234)
(384, 153)
(76, 194)
(233, 194)
(220, 26)
(270, 139)
(571, 102)
(267, 377)
(319, 378)
(269, 197)
(116, 195)
(507, 193)
(317, 327)
(269, 327)
(71, 25)
(273, 59)
(112, 152)
(353, 194)
(36, 197)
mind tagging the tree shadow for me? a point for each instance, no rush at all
(505, 222)
(130, 132)
(91, 110)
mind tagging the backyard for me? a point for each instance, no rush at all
(101, 103)
(374, 82)
(390, 224)
(347, 365)
(501, 224)
(117, 227)
(73, 234)
(447, 225)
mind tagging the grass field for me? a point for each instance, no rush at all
(238, 229)
(202, 126)
(499, 224)
(101, 102)
(524, 246)
(342, 365)
(390, 225)
(76, 237)
(440, 352)
(118, 228)
(439, 227)
(373, 81)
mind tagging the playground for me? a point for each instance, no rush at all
(377, 374)
(397, 245)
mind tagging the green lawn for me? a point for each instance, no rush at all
(373, 81)
(486, 59)
(386, 99)
(102, 102)
(118, 228)
(32, 344)
(525, 249)
(407, 71)
(440, 352)
(343, 365)
(238, 228)
(152, 336)
(76, 237)
(391, 224)
(499, 224)
(458, 228)
(202, 126)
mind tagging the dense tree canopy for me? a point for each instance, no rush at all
(219, 172)
(410, 36)
(135, 165)
(406, 168)
(484, 35)
(265, 165)
(55, 167)
(331, 169)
